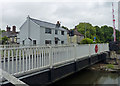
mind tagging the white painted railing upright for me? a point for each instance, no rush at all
(50, 57)
(24, 59)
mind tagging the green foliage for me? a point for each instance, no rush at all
(87, 41)
(5, 40)
(88, 28)
(110, 66)
(103, 34)
(2, 30)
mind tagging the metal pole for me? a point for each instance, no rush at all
(118, 19)
(114, 32)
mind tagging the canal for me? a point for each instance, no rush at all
(91, 78)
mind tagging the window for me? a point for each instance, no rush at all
(56, 42)
(62, 42)
(23, 42)
(34, 42)
(48, 30)
(47, 41)
(62, 32)
(56, 31)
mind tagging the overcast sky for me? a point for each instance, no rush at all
(68, 13)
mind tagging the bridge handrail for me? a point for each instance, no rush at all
(16, 60)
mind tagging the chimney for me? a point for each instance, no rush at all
(76, 28)
(8, 29)
(14, 29)
(58, 24)
(28, 17)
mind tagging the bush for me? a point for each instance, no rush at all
(87, 41)
(110, 66)
(5, 39)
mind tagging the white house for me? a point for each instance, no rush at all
(37, 32)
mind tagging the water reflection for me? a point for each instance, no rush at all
(91, 78)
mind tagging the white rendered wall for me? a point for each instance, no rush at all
(23, 32)
(35, 32)
(31, 30)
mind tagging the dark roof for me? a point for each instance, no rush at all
(74, 32)
(9, 34)
(46, 24)
(77, 33)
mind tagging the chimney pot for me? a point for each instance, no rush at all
(8, 28)
(14, 29)
(75, 27)
(58, 24)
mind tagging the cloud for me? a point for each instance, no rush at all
(69, 13)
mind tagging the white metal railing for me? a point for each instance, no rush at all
(22, 59)
(10, 46)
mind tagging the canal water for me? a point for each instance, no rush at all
(91, 78)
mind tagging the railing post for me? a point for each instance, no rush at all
(75, 53)
(89, 51)
(50, 57)
(99, 48)
(103, 47)
(1, 66)
(75, 57)
(107, 46)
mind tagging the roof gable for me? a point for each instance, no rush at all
(46, 24)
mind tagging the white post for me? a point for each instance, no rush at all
(29, 52)
(50, 57)
(89, 50)
(75, 53)
(12, 61)
(8, 59)
(16, 59)
(26, 57)
(23, 54)
(99, 48)
(19, 60)
(103, 47)
(37, 57)
(4, 59)
(44, 57)
(32, 57)
(40, 63)
(1, 75)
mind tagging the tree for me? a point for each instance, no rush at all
(5, 40)
(105, 33)
(3, 30)
(88, 28)
(87, 41)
